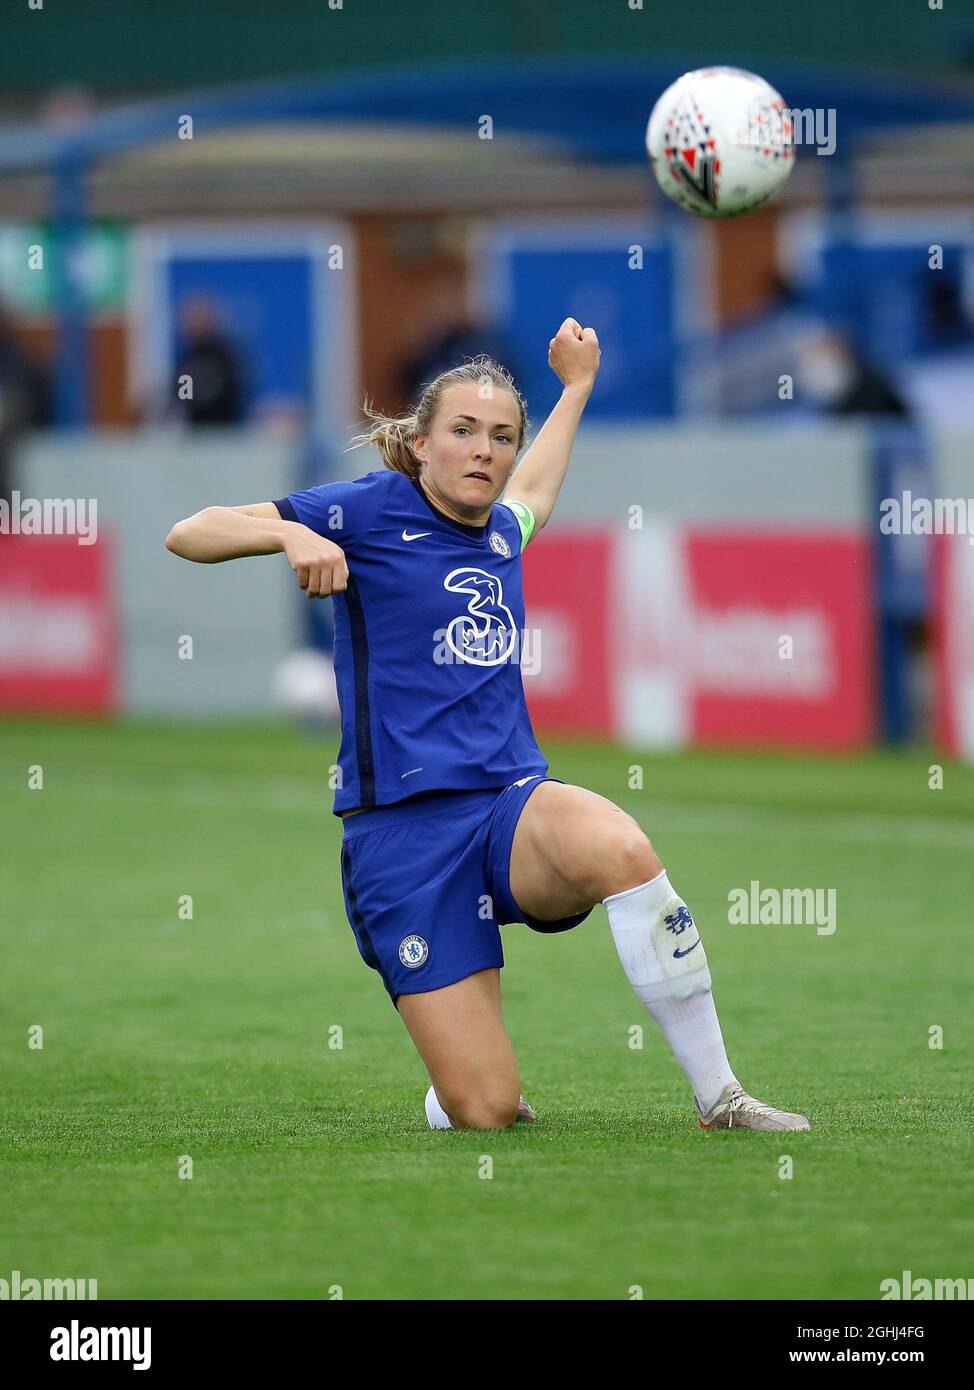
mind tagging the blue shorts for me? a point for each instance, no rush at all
(427, 885)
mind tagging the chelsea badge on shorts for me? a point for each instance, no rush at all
(498, 543)
(413, 951)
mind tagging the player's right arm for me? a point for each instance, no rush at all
(230, 533)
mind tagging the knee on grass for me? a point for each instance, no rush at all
(481, 1109)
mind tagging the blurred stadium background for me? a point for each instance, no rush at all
(297, 206)
(320, 217)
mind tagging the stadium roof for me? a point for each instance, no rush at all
(574, 119)
(597, 111)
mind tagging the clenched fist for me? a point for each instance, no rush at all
(320, 564)
(574, 354)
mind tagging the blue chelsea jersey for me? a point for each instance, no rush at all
(428, 640)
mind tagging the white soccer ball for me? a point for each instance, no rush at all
(304, 688)
(720, 141)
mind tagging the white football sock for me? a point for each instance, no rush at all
(437, 1116)
(672, 981)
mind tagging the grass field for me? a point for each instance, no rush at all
(313, 1167)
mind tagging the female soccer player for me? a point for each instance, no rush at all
(452, 826)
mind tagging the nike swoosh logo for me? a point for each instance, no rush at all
(407, 537)
(677, 955)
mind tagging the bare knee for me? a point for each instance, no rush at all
(482, 1109)
(631, 859)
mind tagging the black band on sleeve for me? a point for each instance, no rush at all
(287, 511)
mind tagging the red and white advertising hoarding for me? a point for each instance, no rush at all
(684, 635)
(566, 658)
(58, 630)
(954, 609)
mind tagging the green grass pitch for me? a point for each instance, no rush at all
(313, 1167)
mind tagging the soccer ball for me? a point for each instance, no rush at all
(304, 688)
(720, 141)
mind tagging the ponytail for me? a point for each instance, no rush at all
(393, 438)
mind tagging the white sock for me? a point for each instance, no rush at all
(437, 1116)
(678, 997)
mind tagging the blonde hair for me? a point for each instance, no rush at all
(393, 436)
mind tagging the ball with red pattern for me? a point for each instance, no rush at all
(720, 142)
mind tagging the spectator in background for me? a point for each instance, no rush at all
(25, 397)
(946, 321)
(450, 334)
(838, 379)
(207, 357)
(941, 374)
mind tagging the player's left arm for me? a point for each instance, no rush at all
(573, 354)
